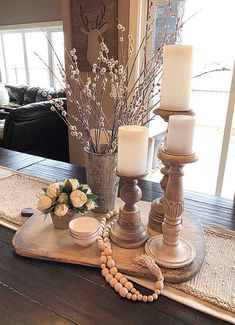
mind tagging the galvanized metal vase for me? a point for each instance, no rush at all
(102, 179)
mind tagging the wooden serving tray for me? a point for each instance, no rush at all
(38, 238)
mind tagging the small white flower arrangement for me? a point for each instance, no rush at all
(59, 198)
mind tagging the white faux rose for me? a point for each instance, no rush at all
(63, 198)
(78, 198)
(74, 183)
(90, 205)
(61, 210)
(53, 190)
(44, 203)
(87, 188)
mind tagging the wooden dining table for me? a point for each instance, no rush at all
(43, 292)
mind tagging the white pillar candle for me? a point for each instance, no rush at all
(177, 75)
(180, 134)
(132, 150)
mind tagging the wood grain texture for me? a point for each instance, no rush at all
(37, 238)
(44, 292)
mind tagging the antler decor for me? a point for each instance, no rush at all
(100, 16)
(84, 18)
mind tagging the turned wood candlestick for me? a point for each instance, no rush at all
(168, 249)
(156, 215)
(129, 231)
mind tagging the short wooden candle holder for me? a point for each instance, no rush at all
(168, 249)
(129, 231)
(156, 215)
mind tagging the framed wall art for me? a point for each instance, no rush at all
(89, 21)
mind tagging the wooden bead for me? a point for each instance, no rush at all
(115, 212)
(133, 290)
(105, 271)
(113, 270)
(103, 259)
(105, 234)
(108, 277)
(145, 298)
(150, 298)
(110, 272)
(128, 285)
(123, 280)
(113, 281)
(102, 246)
(159, 285)
(111, 263)
(107, 216)
(118, 286)
(123, 292)
(155, 296)
(134, 297)
(139, 297)
(108, 250)
(118, 276)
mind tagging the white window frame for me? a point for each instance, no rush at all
(48, 28)
(226, 137)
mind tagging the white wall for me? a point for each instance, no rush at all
(14, 12)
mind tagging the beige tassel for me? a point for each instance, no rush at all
(145, 264)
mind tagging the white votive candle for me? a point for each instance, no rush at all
(177, 76)
(180, 134)
(132, 150)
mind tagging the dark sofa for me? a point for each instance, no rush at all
(32, 127)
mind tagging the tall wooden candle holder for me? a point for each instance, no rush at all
(168, 249)
(129, 231)
(156, 215)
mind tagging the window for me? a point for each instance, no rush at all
(20, 65)
(209, 32)
(212, 96)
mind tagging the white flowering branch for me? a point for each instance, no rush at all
(131, 105)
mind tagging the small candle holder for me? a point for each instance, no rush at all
(168, 249)
(156, 215)
(129, 231)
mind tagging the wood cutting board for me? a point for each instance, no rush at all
(37, 238)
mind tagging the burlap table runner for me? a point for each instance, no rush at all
(17, 191)
(212, 290)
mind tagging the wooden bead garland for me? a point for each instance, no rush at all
(110, 272)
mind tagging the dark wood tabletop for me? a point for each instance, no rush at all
(42, 292)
